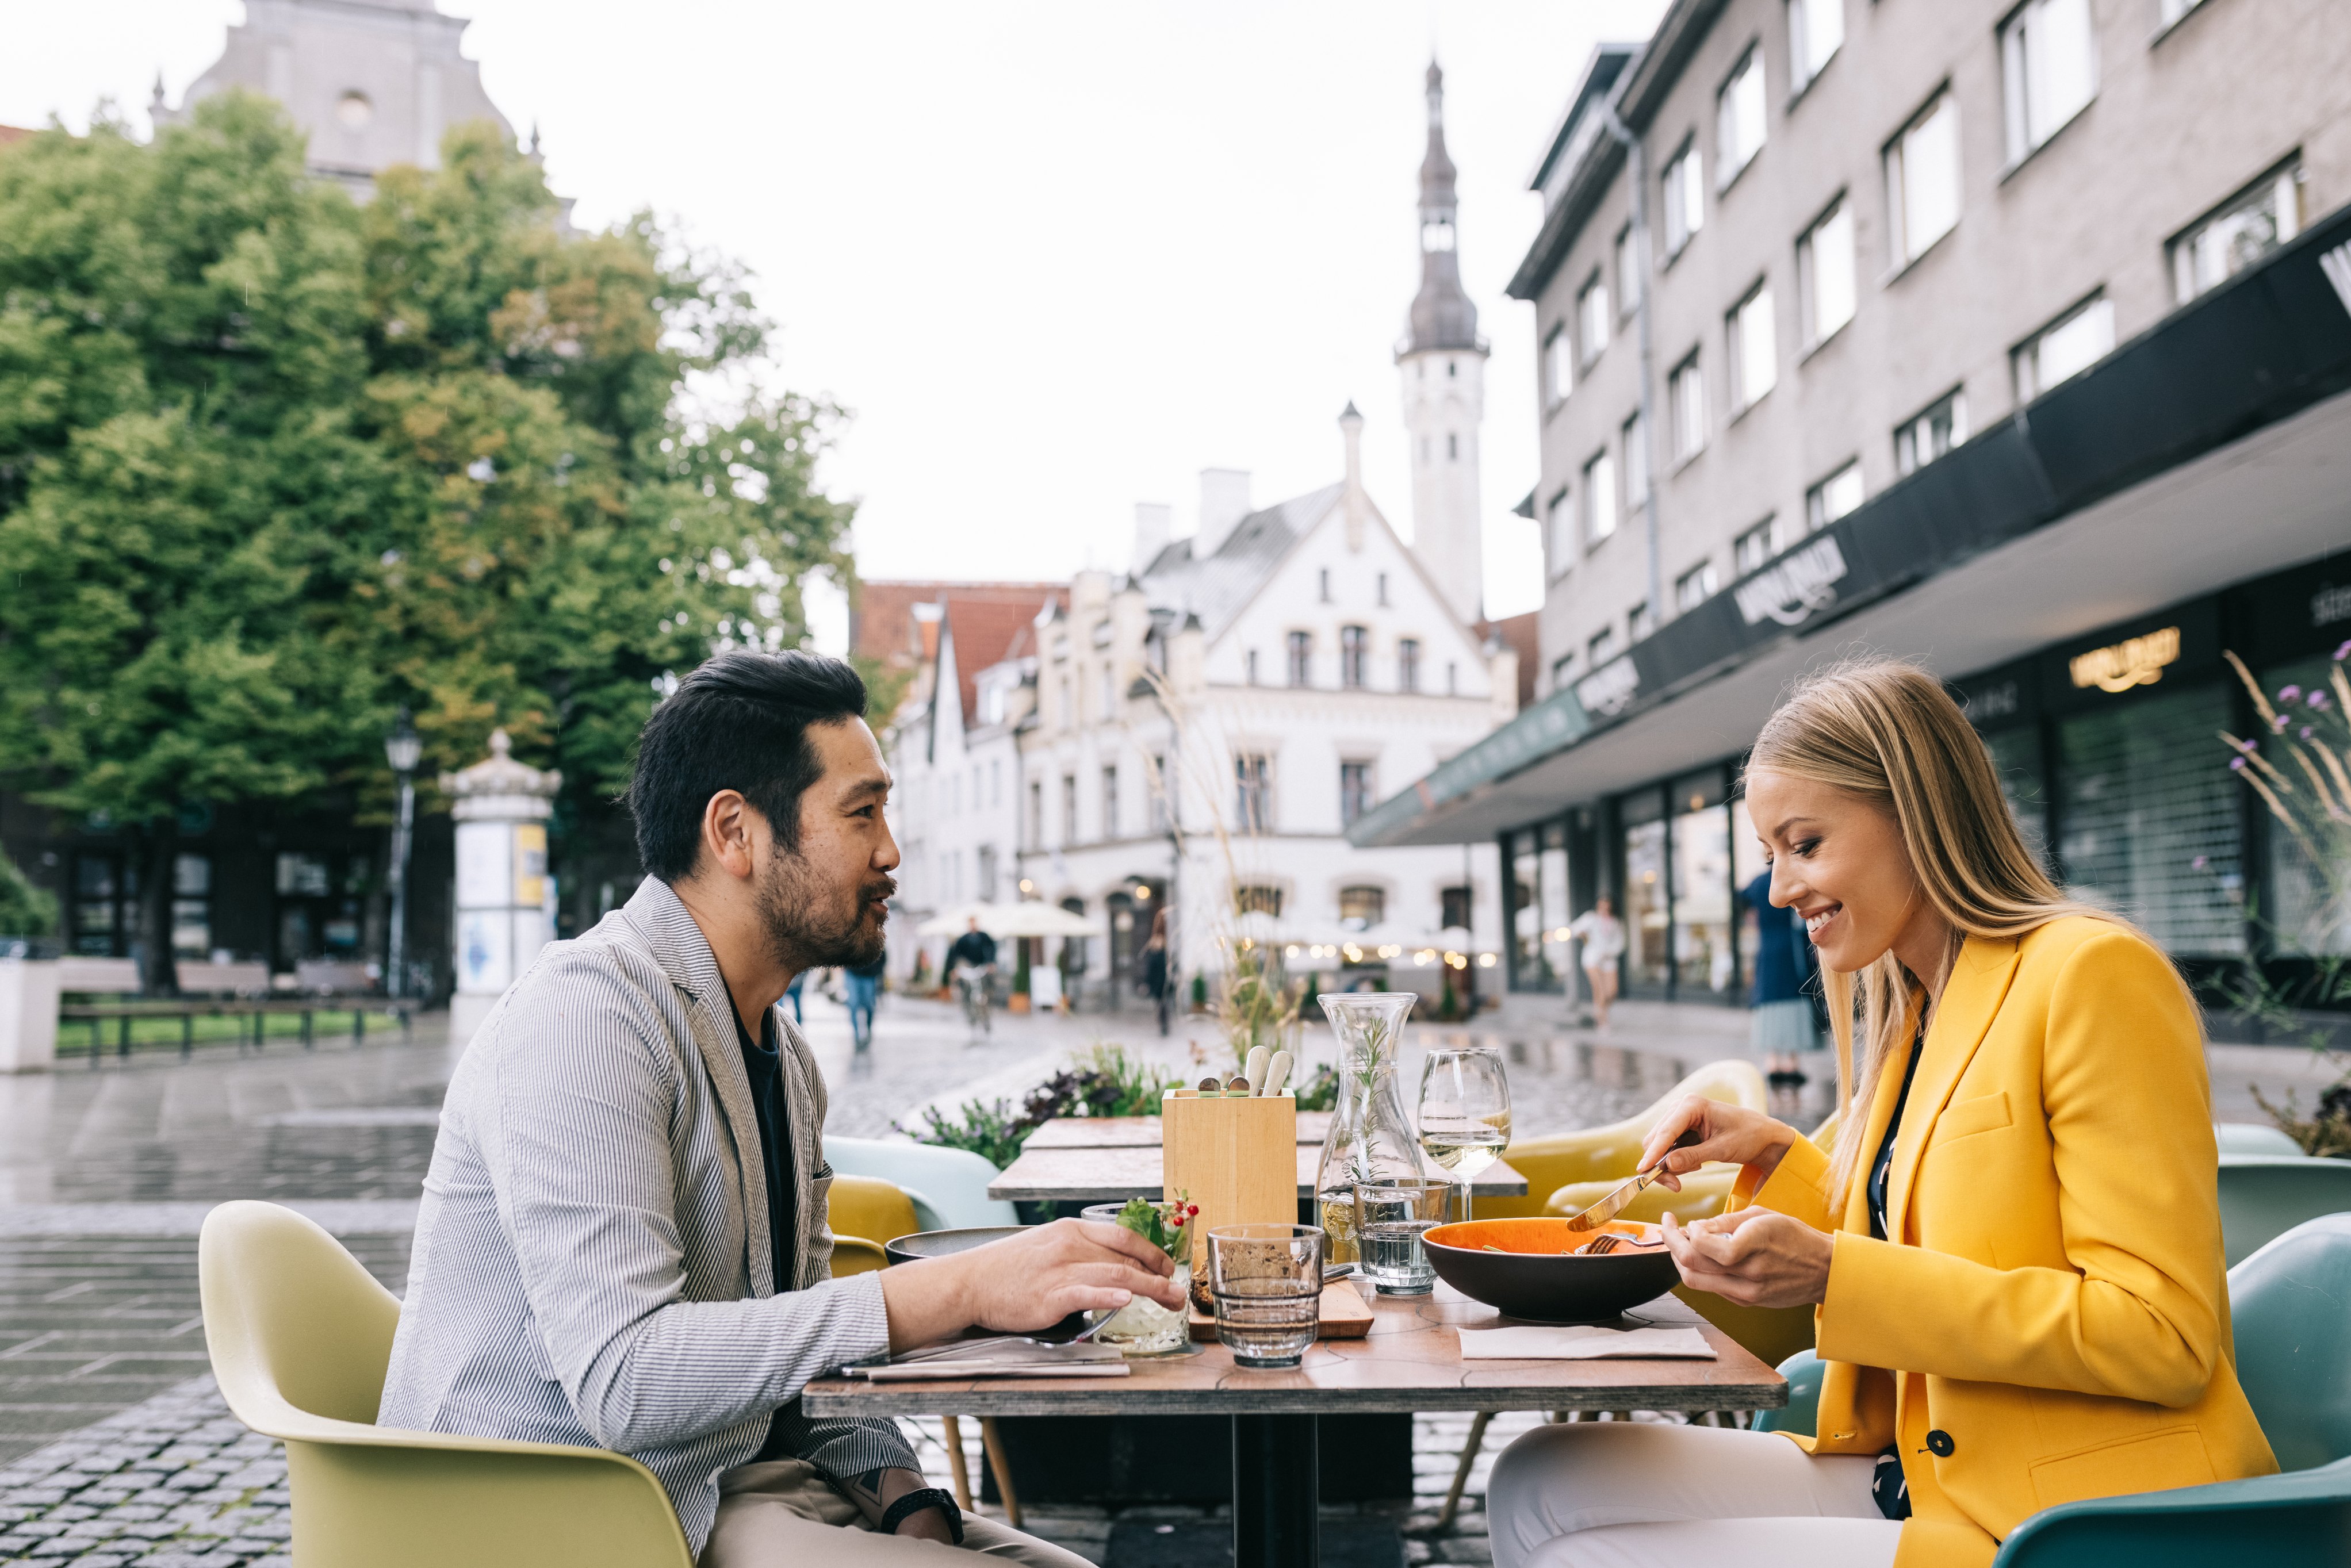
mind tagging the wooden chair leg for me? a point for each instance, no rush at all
(1461, 1471)
(954, 1462)
(1001, 1469)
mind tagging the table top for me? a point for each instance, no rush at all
(1098, 1175)
(1140, 1132)
(1410, 1360)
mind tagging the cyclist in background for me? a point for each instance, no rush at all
(971, 964)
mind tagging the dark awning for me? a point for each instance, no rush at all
(2208, 450)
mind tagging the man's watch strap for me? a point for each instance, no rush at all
(914, 1501)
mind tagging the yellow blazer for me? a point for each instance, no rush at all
(2052, 1321)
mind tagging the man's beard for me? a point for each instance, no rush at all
(813, 924)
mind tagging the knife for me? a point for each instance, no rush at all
(1626, 1191)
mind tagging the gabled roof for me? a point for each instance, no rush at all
(1217, 588)
(882, 625)
(984, 632)
(12, 133)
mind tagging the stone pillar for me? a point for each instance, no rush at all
(505, 900)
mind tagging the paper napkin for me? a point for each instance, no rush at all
(1539, 1343)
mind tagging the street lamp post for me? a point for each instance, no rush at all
(401, 748)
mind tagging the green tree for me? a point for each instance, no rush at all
(273, 465)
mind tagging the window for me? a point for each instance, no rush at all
(1635, 436)
(1301, 658)
(1407, 664)
(1751, 549)
(1454, 904)
(1942, 425)
(1833, 498)
(1599, 499)
(1249, 662)
(1354, 653)
(2248, 226)
(1601, 648)
(1922, 180)
(1563, 670)
(1815, 29)
(1160, 784)
(1684, 198)
(2066, 347)
(1628, 273)
(1257, 898)
(1592, 318)
(987, 873)
(1738, 128)
(192, 906)
(2175, 9)
(996, 783)
(1754, 348)
(1036, 814)
(1695, 587)
(1069, 807)
(1452, 678)
(1561, 522)
(1381, 586)
(2049, 65)
(1252, 794)
(1110, 803)
(1323, 578)
(1824, 274)
(1559, 367)
(1361, 908)
(1069, 706)
(1109, 698)
(1354, 790)
(1639, 621)
(1452, 446)
(1685, 395)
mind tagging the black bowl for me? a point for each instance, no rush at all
(945, 1243)
(1533, 1277)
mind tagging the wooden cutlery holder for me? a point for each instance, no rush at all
(1235, 1158)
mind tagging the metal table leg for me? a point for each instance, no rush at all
(1277, 1493)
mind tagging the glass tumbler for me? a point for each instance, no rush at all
(1390, 1217)
(1266, 1283)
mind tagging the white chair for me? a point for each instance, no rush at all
(949, 1187)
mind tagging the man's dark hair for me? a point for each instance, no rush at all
(740, 722)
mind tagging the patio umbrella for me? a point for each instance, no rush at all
(1003, 920)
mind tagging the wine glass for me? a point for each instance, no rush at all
(1465, 1113)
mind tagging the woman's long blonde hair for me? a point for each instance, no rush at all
(1889, 733)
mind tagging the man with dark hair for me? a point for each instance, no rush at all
(623, 1240)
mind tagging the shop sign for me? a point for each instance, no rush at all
(1611, 688)
(2134, 662)
(1791, 590)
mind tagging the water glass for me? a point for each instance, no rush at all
(1390, 1217)
(1266, 1283)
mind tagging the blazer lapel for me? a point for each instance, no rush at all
(1972, 999)
(684, 956)
(1886, 1096)
(804, 1114)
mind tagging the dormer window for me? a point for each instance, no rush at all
(1437, 234)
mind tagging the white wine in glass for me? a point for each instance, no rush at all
(1465, 1114)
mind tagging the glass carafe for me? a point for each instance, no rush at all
(1369, 1141)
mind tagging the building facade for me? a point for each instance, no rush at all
(1995, 335)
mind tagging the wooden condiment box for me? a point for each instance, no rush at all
(1236, 1156)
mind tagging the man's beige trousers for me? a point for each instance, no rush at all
(784, 1514)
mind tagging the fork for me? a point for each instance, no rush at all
(1599, 1246)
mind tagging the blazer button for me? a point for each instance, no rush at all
(1939, 1444)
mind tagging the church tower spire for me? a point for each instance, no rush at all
(1444, 365)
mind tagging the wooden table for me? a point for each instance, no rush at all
(1140, 1132)
(1411, 1361)
(1068, 1175)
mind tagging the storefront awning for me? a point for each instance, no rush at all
(2214, 448)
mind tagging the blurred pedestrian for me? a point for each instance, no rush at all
(863, 980)
(1604, 944)
(792, 992)
(1154, 965)
(1782, 1024)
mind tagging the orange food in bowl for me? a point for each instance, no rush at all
(1543, 1234)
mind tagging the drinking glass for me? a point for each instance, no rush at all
(1464, 1112)
(1267, 1281)
(1390, 1217)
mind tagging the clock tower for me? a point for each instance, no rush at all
(1444, 365)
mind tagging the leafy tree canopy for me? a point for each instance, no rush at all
(273, 464)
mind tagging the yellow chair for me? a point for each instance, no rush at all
(300, 1335)
(864, 1212)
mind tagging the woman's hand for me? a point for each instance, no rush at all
(1755, 1257)
(1730, 1133)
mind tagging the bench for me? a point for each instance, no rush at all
(187, 1009)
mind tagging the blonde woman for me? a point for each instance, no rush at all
(2014, 1247)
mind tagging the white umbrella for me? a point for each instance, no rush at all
(1002, 920)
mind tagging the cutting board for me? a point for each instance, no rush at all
(1345, 1316)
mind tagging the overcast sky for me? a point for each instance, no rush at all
(1055, 259)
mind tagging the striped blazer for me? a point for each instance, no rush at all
(593, 1263)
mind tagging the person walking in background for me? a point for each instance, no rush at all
(1783, 1023)
(863, 981)
(1602, 936)
(1154, 965)
(793, 992)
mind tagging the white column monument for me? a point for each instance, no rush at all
(505, 900)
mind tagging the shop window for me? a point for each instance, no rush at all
(1552, 900)
(2238, 233)
(1528, 971)
(2016, 756)
(1456, 903)
(1646, 961)
(1257, 898)
(1361, 908)
(1703, 954)
(1252, 792)
(1747, 861)
(2148, 825)
(1073, 948)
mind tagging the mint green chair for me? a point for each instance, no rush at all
(1802, 1414)
(949, 1187)
(2262, 1196)
(2290, 1306)
(2252, 1138)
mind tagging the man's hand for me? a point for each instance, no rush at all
(876, 1490)
(1026, 1282)
(1727, 1133)
(1756, 1257)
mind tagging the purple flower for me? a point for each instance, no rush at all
(2305, 732)
(2343, 652)
(2198, 864)
(2236, 765)
(2287, 693)
(2277, 725)
(2316, 698)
